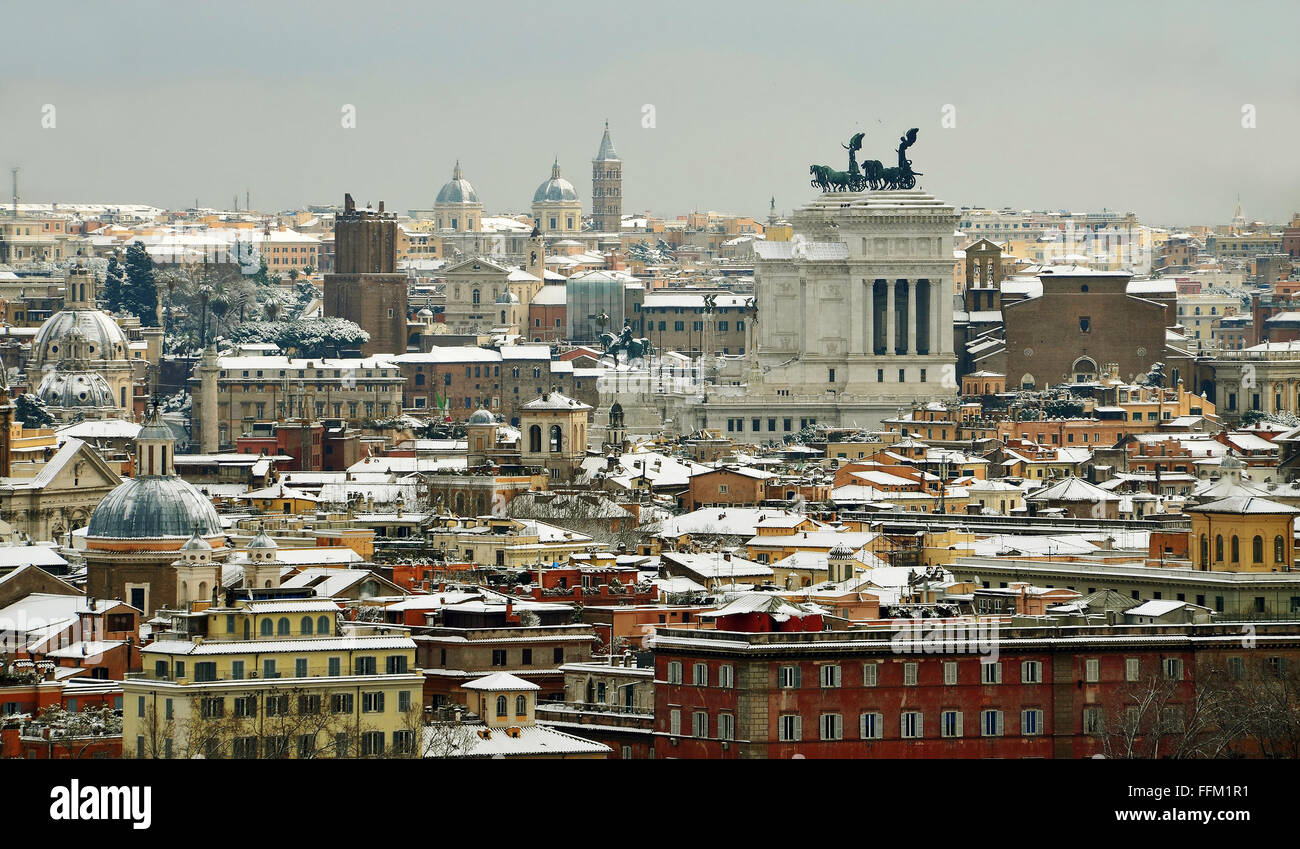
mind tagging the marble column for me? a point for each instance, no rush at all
(890, 318)
(868, 317)
(911, 316)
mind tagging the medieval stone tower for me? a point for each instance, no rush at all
(607, 187)
(366, 287)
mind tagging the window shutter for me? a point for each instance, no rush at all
(998, 719)
(798, 677)
(960, 719)
(920, 724)
(798, 722)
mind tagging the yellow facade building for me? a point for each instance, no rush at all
(274, 679)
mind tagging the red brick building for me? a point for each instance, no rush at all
(846, 694)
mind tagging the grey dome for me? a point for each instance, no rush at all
(481, 416)
(105, 339)
(457, 189)
(196, 543)
(262, 541)
(69, 389)
(154, 507)
(555, 189)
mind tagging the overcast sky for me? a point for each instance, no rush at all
(1133, 106)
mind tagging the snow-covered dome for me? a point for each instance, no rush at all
(555, 189)
(262, 541)
(154, 507)
(841, 551)
(104, 340)
(196, 543)
(71, 389)
(481, 416)
(457, 189)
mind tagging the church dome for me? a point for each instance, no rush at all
(555, 189)
(154, 507)
(262, 541)
(104, 340)
(196, 543)
(481, 416)
(457, 189)
(71, 389)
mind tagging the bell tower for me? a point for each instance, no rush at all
(607, 187)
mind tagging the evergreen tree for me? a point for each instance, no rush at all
(31, 411)
(113, 283)
(140, 296)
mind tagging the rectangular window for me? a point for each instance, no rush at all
(674, 672)
(910, 673)
(211, 708)
(300, 667)
(366, 666)
(246, 706)
(1174, 668)
(870, 674)
(951, 723)
(871, 726)
(309, 704)
(205, 671)
(675, 722)
(1031, 672)
(699, 724)
(404, 701)
(396, 664)
(726, 676)
(1031, 722)
(1092, 720)
(830, 675)
(991, 723)
(237, 670)
(990, 673)
(341, 703)
(949, 673)
(1092, 670)
(832, 726)
(335, 667)
(790, 728)
(498, 657)
(700, 674)
(372, 702)
(726, 726)
(912, 722)
(372, 744)
(789, 677)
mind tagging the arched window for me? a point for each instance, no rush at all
(246, 629)
(535, 439)
(521, 706)
(1279, 549)
(557, 439)
(1205, 552)
(501, 706)
(475, 296)
(1257, 549)
(1236, 549)
(267, 628)
(282, 627)
(1218, 548)
(323, 625)
(185, 590)
(306, 625)
(203, 590)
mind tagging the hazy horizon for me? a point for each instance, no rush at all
(1128, 108)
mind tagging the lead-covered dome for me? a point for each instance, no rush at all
(481, 416)
(154, 507)
(457, 189)
(103, 339)
(555, 189)
(71, 389)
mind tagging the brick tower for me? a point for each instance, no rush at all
(366, 287)
(607, 187)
